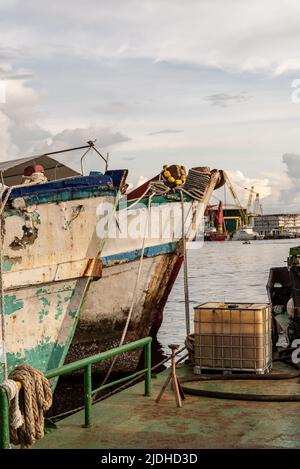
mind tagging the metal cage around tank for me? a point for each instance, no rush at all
(233, 337)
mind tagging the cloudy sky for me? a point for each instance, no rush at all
(198, 82)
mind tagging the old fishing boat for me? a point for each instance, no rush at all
(50, 252)
(51, 305)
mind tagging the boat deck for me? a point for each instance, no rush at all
(130, 420)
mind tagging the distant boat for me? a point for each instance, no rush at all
(217, 234)
(245, 233)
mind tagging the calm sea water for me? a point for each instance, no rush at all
(222, 271)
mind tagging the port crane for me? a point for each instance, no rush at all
(257, 210)
(243, 212)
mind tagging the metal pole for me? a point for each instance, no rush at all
(87, 395)
(174, 376)
(79, 364)
(81, 160)
(4, 420)
(89, 145)
(148, 369)
(97, 151)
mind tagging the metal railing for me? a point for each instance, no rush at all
(86, 364)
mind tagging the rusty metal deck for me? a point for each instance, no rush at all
(130, 420)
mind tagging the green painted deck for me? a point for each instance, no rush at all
(130, 420)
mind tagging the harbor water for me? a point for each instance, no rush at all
(222, 271)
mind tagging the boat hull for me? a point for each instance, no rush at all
(106, 309)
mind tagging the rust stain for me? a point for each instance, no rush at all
(116, 262)
(93, 268)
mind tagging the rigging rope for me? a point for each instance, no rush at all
(195, 187)
(134, 292)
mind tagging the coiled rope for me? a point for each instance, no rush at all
(35, 398)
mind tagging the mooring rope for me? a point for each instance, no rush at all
(35, 398)
(134, 292)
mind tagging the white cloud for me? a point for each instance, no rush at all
(279, 192)
(21, 133)
(225, 99)
(233, 35)
(17, 119)
(242, 184)
(262, 186)
(114, 70)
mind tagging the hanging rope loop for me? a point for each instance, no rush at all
(35, 398)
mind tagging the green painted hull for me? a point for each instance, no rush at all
(40, 323)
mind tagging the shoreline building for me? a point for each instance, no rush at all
(278, 225)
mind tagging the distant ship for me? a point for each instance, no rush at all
(246, 233)
(219, 234)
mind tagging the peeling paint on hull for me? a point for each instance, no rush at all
(40, 323)
(45, 280)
